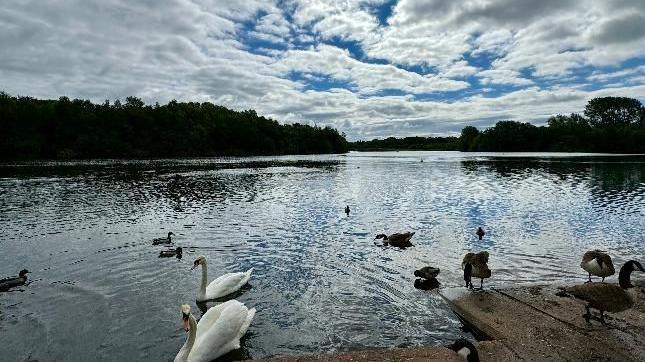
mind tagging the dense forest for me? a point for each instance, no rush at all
(64, 128)
(408, 143)
(609, 124)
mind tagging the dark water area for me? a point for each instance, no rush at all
(320, 284)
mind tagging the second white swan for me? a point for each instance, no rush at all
(222, 286)
(217, 333)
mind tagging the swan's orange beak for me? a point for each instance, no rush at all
(186, 324)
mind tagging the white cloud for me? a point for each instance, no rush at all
(207, 50)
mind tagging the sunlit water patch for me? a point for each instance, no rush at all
(320, 283)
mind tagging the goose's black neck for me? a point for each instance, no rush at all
(624, 277)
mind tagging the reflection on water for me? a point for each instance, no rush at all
(320, 283)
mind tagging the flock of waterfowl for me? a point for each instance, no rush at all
(220, 328)
(602, 296)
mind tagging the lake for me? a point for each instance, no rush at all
(320, 284)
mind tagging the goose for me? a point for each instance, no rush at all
(475, 265)
(166, 240)
(347, 210)
(397, 239)
(427, 272)
(217, 333)
(465, 349)
(608, 297)
(223, 285)
(480, 233)
(8, 283)
(426, 284)
(598, 263)
(170, 253)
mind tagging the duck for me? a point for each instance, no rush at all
(608, 297)
(480, 233)
(170, 253)
(166, 240)
(427, 272)
(475, 265)
(347, 210)
(8, 283)
(222, 286)
(401, 240)
(598, 263)
(217, 333)
(465, 349)
(426, 284)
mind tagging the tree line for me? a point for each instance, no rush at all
(407, 143)
(64, 128)
(609, 124)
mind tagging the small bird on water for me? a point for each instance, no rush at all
(166, 240)
(400, 240)
(480, 232)
(598, 263)
(347, 210)
(7, 283)
(170, 253)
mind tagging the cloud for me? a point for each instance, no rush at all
(373, 68)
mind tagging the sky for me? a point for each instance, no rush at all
(370, 68)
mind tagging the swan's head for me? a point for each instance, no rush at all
(185, 316)
(23, 273)
(201, 260)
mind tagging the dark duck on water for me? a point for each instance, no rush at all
(171, 252)
(8, 283)
(166, 240)
(400, 240)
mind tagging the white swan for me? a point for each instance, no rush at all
(222, 286)
(217, 333)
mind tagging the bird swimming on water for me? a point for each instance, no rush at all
(598, 263)
(400, 240)
(427, 272)
(166, 240)
(8, 283)
(171, 252)
(347, 210)
(608, 297)
(475, 265)
(480, 233)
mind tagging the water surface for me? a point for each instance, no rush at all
(320, 284)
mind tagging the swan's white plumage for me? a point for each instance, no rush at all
(222, 286)
(218, 332)
(227, 284)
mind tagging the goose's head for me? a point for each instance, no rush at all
(170, 233)
(185, 316)
(23, 273)
(199, 261)
(626, 271)
(179, 250)
(381, 236)
(465, 349)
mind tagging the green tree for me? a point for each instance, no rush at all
(614, 111)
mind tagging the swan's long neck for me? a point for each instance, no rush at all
(202, 288)
(188, 345)
(192, 333)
